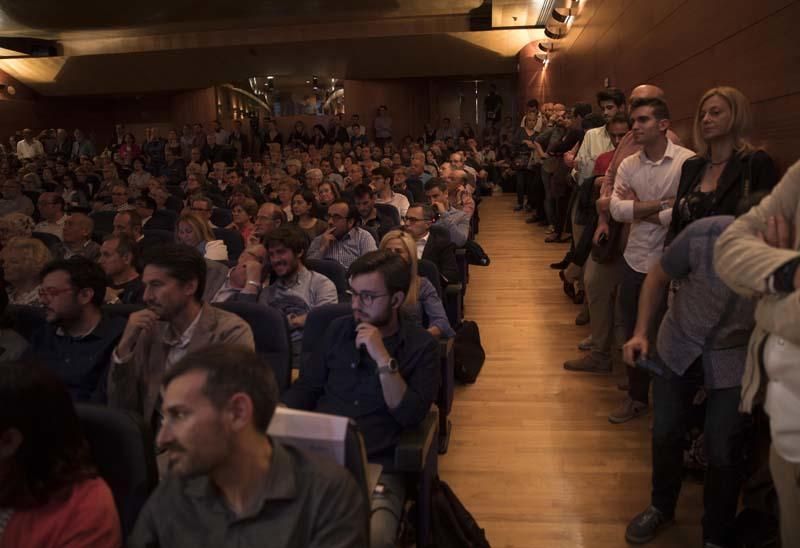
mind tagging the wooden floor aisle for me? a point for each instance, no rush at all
(532, 454)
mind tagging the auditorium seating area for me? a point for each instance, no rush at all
(566, 317)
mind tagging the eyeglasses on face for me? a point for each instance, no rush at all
(52, 292)
(336, 217)
(366, 298)
(199, 209)
(412, 220)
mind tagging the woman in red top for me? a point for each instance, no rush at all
(129, 150)
(50, 493)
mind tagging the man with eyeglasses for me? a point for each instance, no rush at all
(14, 201)
(202, 207)
(378, 368)
(432, 245)
(343, 242)
(119, 199)
(51, 209)
(77, 340)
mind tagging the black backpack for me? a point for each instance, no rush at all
(468, 352)
(475, 254)
(453, 525)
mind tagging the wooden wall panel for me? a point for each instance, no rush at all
(686, 47)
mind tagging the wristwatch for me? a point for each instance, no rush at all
(390, 367)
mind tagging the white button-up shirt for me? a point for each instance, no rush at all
(783, 396)
(649, 180)
(596, 141)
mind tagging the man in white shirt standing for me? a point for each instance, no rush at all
(644, 193)
(29, 148)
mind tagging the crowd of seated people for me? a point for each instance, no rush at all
(180, 228)
(690, 279)
(121, 266)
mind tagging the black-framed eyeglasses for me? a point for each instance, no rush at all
(199, 209)
(336, 217)
(365, 298)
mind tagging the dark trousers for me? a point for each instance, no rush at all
(536, 191)
(563, 207)
(628, 303)
(724, 435)
(524, 182)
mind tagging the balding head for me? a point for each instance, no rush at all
(647, 91)
(77, 228)
(270, 216)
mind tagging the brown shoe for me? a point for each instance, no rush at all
(588, 364)
(628, 410)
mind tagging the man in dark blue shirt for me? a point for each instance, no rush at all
(77, 341)
(377, 368)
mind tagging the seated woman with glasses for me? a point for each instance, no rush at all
(51, 494)
(243, 215)
(192, 231)
(22, 260)
(422, 301)
(305, 214)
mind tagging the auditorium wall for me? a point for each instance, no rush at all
(413, 102)
(685, 47)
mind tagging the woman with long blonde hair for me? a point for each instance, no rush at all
(422, 300)
(193, 231)
(728, 169)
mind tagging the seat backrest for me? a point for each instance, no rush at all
(162, 236)
(428, 269)
(51, 241)
(103, 221)
(26, 319)
(233, 241)
(390, 211)
(221, 216)
(123, 452)
(317, 322)
(335, 272)
(271, 335)
(417, 189)
(165, 218)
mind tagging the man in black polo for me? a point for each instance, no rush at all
(230, 485)
(377, 368)
(374, 221)
(77, 341)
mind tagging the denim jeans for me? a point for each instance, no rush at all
(387, 510)
(724, 434)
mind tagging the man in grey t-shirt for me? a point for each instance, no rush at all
(702, 342)
(231, 485)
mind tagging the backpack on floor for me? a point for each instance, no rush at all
(468, 352)
(453, 525)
